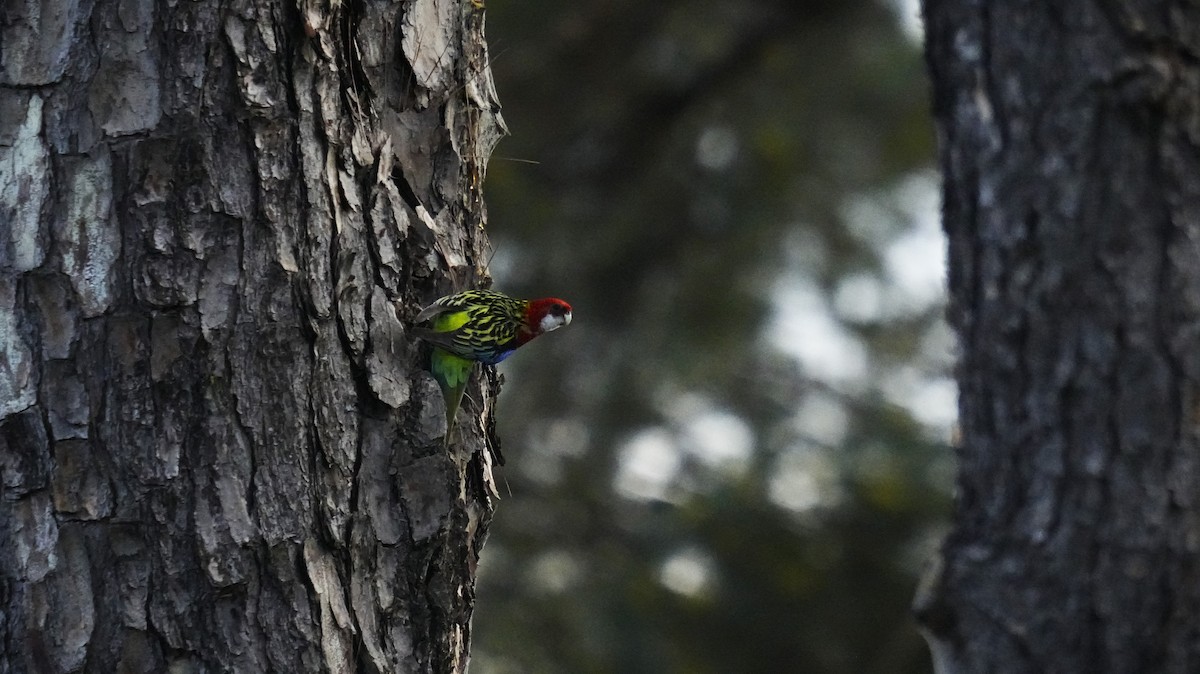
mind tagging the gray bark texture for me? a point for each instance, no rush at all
(219, 447)
(1070, 145)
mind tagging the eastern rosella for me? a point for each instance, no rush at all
(481, 326)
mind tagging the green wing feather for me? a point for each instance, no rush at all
(452, 374)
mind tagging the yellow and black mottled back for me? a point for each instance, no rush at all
(479, 325)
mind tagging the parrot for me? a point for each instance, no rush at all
(481, 326)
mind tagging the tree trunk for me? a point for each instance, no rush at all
(219, 449)
(1069, 143)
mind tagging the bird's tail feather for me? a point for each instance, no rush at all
(452, 374)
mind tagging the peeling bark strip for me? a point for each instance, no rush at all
(219, 450)
(1071, 151)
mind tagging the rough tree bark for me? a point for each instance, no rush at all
(218, 448)
(1070, 143)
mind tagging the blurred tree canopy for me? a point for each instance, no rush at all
(735, 459)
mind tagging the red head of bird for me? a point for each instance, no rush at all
(543, 316)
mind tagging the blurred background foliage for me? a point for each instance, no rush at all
(735, 460)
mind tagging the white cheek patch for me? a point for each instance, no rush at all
(550, 322)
